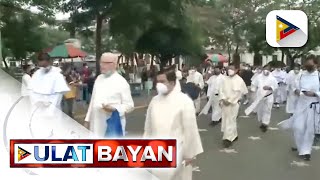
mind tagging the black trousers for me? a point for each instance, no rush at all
(68, 107)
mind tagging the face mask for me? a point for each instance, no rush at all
(46, 69)
(162, 89)
(192, 71)
(278, 69)
(296, 71)
(266, 72)
(179, 76)
(231, 72)
(246, 68)
(108, 74)
(259, 71)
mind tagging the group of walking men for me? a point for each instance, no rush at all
(299, 89)
(172, 113)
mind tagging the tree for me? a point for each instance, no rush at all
(168, 42)
(88, 11)
(21, 28)
(161, 28)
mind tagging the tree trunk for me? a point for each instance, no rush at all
(257, 59)
(152, 60)
(290, 60)
(72, 31)
(99, 22)
(229, 52)
(236, 57)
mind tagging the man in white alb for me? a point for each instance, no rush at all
(306, 115)
(47, 87)
(230, 93)
(264, 85)
(292, 97)
(196, 78)
(279, 94)
(110, 92)
(171, 114)
(215, 82)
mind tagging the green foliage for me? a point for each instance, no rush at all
(24, 32)
(21, 35)
(161, 28)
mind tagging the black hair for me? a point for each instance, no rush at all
(169, 72)
(313, 58)
(267, 65)
(25, 67)
(297, 66)
(84, 64)
(233, 64)
(43, 57)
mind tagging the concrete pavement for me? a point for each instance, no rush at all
(255, 156)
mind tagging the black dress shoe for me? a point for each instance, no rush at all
(294, 149)
(197, 114)
(307, 157)
(212, 123)
(236, 139)
(227, 143)
(264, 128)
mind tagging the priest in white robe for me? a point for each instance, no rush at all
(279, 94)
(215, 82)
(264, 84)
(292, 77)
(256, 72)
(305, 120)
(47, 87)
(171, 114)
(110, 92)
(196, 78)
(230, 93)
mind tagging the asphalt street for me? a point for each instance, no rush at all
(255, 156)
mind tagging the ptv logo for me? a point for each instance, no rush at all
(53, 153)
(22, 153)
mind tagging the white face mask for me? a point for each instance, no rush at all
(259, 71)
(192, 71)
(162, 89)
(231, 72)
(108, 73)
(296, 71)
(46, 69)
(266, 72)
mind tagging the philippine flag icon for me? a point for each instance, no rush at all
(286, 28)
(22, 154)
